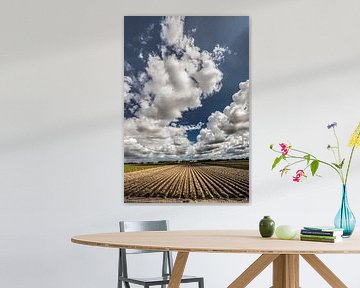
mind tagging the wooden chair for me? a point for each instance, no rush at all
(167, 263)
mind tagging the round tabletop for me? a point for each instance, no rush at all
(217, 241)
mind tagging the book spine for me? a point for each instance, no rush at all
(317, 239)
(318, 236)
(320, 233)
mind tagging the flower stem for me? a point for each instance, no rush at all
(338, 146)
(333, 152)
(296, 162)
(350, 159)
(304, 152)
(313, 158)
(339, 156)
(338, 171)
(348, 167)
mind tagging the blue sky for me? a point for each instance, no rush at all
(181, 74)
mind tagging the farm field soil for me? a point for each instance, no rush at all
(186, 183)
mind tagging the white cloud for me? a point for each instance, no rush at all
(172, 30)
(176, 80)
(224, 136)
(175, 84)
(219, 52)
(172, 87)
(127, 87)
(134, 150)
(227, 133)
(209, 76)
(154, 140)
(128, 67)
(198, 126)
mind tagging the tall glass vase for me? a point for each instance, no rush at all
(345, 219)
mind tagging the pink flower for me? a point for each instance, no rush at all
(284, 148)
(300, 174)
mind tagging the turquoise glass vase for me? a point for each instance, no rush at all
(345, 219)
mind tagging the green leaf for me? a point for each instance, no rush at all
(336, 165)
(276, 162)
(339, 166)
(342, 163)
(284, 171)
(314, 166)
(307, 157)
(271, 146)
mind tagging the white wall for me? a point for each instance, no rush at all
(61, 132)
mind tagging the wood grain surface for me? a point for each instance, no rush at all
(324, 271)
(253, 270)
(217, 241)
(179, 268)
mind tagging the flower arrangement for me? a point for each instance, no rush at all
(293, 156)
(344, 219)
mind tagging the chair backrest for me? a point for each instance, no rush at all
(137, 226)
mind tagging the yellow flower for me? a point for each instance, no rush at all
(355, 138)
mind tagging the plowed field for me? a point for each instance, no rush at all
(187, 183)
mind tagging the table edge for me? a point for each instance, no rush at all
(203, 250)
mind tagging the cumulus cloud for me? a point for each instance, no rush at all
(173, 89)
(127, 88)
(155, 140)
(133, 149)
(225, 136)
(198, 126)
(176, 79)
(132, 85)
(227, 133)
(128, 67)
(219, 52)
(172, 30)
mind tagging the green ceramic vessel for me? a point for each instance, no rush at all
(267, 227)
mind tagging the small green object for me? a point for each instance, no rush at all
(266, 227)
(285, 232)
(314, 166)
(276, 161)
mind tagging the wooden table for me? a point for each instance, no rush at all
(284, 254)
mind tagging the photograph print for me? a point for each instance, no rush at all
(186, 109)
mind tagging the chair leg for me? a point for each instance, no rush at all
(201, 283)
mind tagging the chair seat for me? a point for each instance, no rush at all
(158, 280)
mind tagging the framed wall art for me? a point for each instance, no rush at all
(186, 109)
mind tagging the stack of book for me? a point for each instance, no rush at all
(321, 234)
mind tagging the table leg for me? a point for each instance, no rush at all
(178, 269)
(253, 270)
(286, 271)
(324, 271)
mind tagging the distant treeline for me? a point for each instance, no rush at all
(231, 163)
(185, 161)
